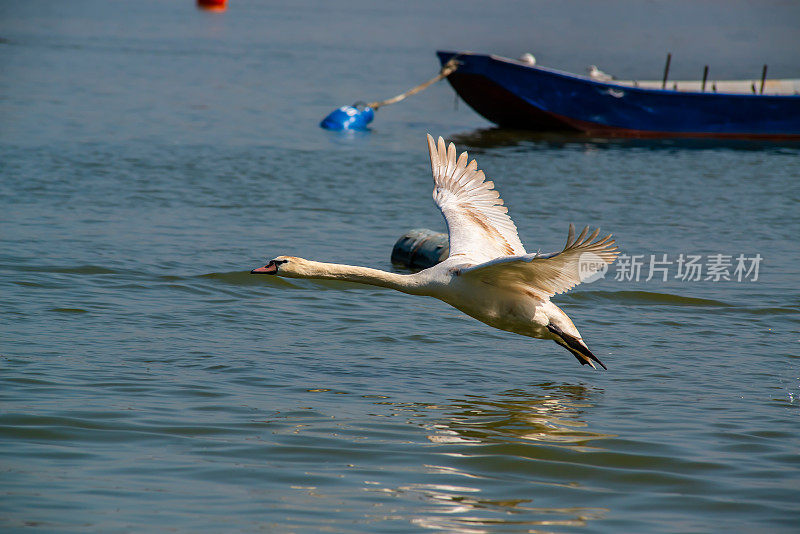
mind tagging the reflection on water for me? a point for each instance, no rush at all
(552, 417)
(463, 509)
(478, 525)
(549, 413)
(506, 137)
(491, 429)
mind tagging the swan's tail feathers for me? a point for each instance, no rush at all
(576, 346)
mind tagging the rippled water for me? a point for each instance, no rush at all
(151, 155)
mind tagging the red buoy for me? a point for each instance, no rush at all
(212, 5)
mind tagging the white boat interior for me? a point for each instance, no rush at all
(771, 87)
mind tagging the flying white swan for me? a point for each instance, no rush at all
(488, 274)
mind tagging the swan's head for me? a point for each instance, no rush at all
(288, 266)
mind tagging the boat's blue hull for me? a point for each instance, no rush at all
(515, 95)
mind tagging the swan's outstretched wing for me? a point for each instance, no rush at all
(479, 226)
(546, 275)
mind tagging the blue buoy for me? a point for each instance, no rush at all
(349, 118)
(357, 116)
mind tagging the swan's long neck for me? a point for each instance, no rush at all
(407, 283)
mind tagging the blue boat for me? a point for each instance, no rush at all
(515, 94)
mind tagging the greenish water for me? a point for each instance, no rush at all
(151, 155)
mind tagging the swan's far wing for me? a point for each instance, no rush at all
(479, 226)
(548, 275)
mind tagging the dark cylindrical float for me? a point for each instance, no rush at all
(421, 248)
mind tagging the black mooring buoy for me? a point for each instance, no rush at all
(421, 248)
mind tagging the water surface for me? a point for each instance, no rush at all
(151, 155)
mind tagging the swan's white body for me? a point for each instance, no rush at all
(488, 274)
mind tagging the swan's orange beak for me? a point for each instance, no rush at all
(270, 268)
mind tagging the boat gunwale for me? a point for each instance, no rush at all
(612, 85)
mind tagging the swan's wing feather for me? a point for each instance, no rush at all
(547, 275)
(479, 226)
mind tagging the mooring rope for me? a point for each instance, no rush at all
(448, 68)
